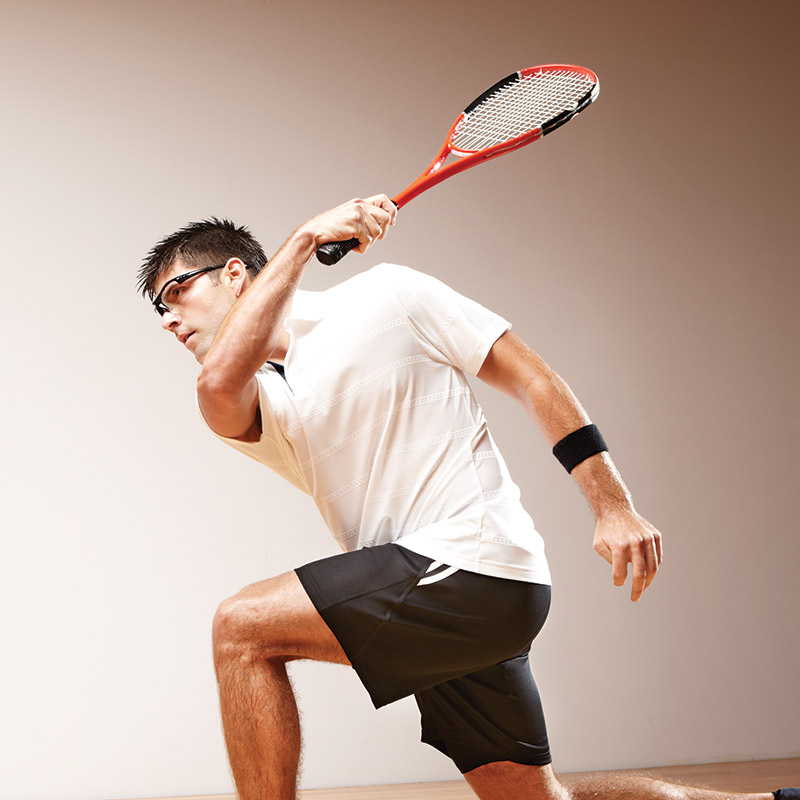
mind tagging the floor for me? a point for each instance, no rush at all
(740, 776)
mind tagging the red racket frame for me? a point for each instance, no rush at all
(437, 171)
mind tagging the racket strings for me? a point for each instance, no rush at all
(519, 107)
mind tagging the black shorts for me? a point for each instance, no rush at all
(456, 640)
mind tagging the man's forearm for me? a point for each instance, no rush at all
(251, 331)
(602, 485)
(515, 369)
(557, 412)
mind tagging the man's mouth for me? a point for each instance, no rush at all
(183, 338)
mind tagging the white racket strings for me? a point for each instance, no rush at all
(519, 107)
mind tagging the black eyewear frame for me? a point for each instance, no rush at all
(160, 306)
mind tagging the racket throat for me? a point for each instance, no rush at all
(430, 176)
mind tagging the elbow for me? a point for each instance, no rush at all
(538, 389)
(213, 385)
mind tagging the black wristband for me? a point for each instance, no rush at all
(578, 446)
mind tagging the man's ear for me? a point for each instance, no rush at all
(234, 275)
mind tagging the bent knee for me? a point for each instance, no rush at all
(227, 620)
(242, 624)
(273, 619)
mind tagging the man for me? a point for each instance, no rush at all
(358, 397)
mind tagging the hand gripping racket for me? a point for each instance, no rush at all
(516, 111)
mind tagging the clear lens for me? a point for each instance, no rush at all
(170, 296)
(173, 288)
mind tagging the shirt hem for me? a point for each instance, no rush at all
(537, 574)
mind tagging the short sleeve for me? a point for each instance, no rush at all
(452, 328)
(271, 449)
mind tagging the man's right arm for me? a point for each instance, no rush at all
(227, 390)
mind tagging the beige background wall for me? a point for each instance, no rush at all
(647, 251)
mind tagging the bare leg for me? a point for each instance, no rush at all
(262, 729)
(255, 634)
(504, 779)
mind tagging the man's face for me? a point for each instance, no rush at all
(200, 304)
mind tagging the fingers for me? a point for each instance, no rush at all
(652, 554)
(366, 220)
(645, 559)
(639, 581)
(619, 563)
(632, 541)
(640, 577)
(385, 203)
(378, 214)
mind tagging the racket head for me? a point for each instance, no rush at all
(514, 112)
(523, 107)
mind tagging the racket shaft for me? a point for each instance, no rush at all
(333, 252)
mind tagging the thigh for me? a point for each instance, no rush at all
(492, 715)
(277, 618)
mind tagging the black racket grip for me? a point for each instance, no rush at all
(333, 252)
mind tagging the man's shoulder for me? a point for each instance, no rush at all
(388, 279)
(385, 273)
(385, 280)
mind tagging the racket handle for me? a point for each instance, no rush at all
(333, 252)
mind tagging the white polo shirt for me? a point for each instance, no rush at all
(376, 421)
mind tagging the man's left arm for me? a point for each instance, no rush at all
(621, 535)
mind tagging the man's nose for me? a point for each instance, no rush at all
(169, 320)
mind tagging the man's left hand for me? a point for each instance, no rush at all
(625, 537)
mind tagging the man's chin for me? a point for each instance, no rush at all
(197, 349)
(199, 353)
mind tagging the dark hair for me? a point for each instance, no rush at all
(201, 244)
